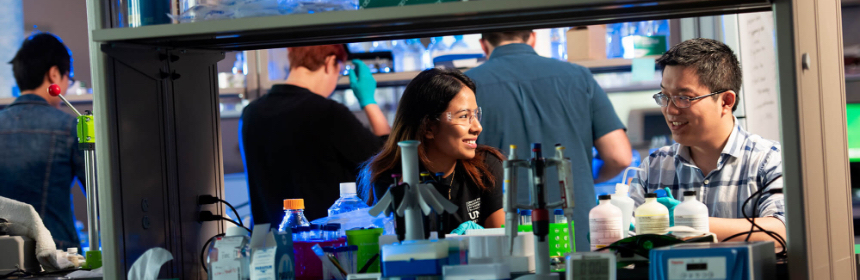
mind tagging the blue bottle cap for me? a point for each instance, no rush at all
(341, 249)
(352, 247)
(303, 229)
(328, 249)
(333, 226)
(558, 212)
(661, 193)
(525, 212)
(315, 226)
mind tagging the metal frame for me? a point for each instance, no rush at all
(811, 98)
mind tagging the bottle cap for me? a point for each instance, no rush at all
(621, 188)
(352, 247)
(332, 227)
(558, 212)
(661, 193)
(236, 231)
(302, 229)
(347, 188)
(315, 226)
(650, 195)
(686, 193)
(424, 174)
(525, 211)
(294, 204)
(604, 197)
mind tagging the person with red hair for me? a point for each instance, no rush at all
(298, 143)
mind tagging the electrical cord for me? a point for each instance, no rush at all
(205, 216)
(203, 252)
(778, 238)
(208, 199)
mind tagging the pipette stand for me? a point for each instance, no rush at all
(418, 199)
(87, 143)
(537, 202)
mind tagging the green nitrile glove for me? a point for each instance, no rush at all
(670, 202)
(362, 83)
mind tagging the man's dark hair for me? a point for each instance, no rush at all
(35, 58)
(494, 38)
(715, 63)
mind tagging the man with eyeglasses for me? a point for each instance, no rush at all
(529, 98)
(39, 156)
(714, 155)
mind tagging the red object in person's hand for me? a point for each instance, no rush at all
(54, 90)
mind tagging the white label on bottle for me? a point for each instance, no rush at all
(697, 222)
(226, 270)
(263, 264)
(652, 224)
(227, 247)
(591, 268)
(604, 231)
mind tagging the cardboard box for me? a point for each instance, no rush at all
(586, 43)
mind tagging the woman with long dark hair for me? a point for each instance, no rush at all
(438, 108)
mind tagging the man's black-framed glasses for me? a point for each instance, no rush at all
(681, 101)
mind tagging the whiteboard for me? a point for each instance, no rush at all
(758, 63)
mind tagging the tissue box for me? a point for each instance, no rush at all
(586, 43)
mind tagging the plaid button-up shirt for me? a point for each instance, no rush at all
(747, 163)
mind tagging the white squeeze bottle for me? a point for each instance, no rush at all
(604, 223)
(692, 213)
(624, 202)
(651, 217)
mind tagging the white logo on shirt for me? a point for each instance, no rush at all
(474, 207)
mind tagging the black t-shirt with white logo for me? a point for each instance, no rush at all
(474, 204)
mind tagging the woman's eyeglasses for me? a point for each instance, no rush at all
(463, 117)
(682, 102)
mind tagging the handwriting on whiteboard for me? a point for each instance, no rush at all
(758, 63)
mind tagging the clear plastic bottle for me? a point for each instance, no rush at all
(348, 200)
(651, 217)
(436, 48)
(692, 213)
(316, 232)
(459, 44)
(525, 216)
(294, 214)
(399, 52)
(230, 252)
(558, 43)
(626, 204)
(604, 223)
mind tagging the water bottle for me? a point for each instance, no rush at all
(413, 59)
(459, 44)
(348, 200)
(437, 48)
(558, 39)
(230, 252)
(613, 40)
(294, 214)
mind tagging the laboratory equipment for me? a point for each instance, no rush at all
(558, 216)
(604, 223)
(487, 246)
(19, 253)
(414, 258)
(459, 45)
(294, 214)
(526, 216)
(651, 217)
(540, 216)
(348, 200)
(492, 271)
(728, 260)
(316, 232)
(591, 265)
(87, 143)
(367, 241)
(418, 199)
(622, 200)
(436, 48)
(692, 213)
(229, 254)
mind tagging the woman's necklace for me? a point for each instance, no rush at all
(450, 185)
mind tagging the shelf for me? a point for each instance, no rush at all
(596, 66)
(414, 21)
